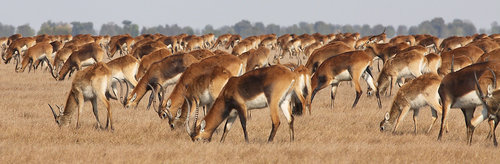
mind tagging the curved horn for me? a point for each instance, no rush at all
(151, 97)
(190, 133)
(479, 91)
(53, 112)
(494, 78)
(121, 88)
(126, 96)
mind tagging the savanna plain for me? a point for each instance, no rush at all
(29, 134)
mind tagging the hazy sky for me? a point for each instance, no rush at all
(198, 13)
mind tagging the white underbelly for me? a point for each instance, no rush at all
(468, 100)
(88, 62)
(172, 80)
(405, 73)
(418, 102)
(342, 76)
(257, 102)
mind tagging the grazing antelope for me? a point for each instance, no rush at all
(221, 40)
(256, 89)
(490, 56)
(348, 66)
(147, 48)
(34, 55)
(85, 56)
(409, 39)
(310, 49)
(208, 40)
(487, 45)
(325, 52)
(233, 41)
(491, 103)
(410, 64)
(242, 47)
(148, 60)
(17, 47)
(175, 101)
(433, 63)
(89, 84)
(457, 90)
(195, 43)
(203, 89)
(123, 68)
(472, 53)
(255, 59)
(61, 56)
(121, 44)
(269, 42)
(165, 72)
(431, 42)
(418, 93)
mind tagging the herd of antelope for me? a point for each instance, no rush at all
(229, 75)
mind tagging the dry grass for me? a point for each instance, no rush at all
(28, 133)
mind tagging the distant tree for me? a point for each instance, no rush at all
(82, 28)
(25, 30)
(208, 29)
(439, 26)
(322, 28)
(6, 30)
(306, 27)
(365, 30)
(402, 30)
(390, 31)
(51, 28)
(377, 29)
(243, 27)
(347, 28)
(413, 30)
(129, 28)
(273, 29)
(495, 28)
(110, 29)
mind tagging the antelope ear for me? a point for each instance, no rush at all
(169, 103)
(386, 117)
(202, 125)
(490, 91)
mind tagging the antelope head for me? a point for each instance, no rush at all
(492, 99)
(61, 119)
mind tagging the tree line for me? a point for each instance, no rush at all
(437, 27)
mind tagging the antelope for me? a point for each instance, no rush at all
(430, 41)
(242, 47)
(247, 92)
(121, 44)
(171, 43)
(487, 45)
(255, 59)
(409, 39)
(90, 84)
(203, 89)
(473, 53)
(34, 55)
(380, 38)
(221, 40)
(269, 42)
(453, 42)
(12, 38)
(147, 48)
(17, 47)
(310, 49)
(233, 41)
(325, 52)
(195, 43)
(149, 59)
(490, 103)
(490, 56)
(414, 95)
(175, 101)
(344, 67)
(86, 55)
(433, 63)
(457, 90)
(208, 40)
(165, 72)
(123, 68)
(406, 65)
(61, 56)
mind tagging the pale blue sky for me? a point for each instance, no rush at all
(198, 13)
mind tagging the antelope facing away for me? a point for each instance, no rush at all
(344, 67)
(254, 90)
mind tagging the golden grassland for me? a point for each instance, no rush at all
(28, 133)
